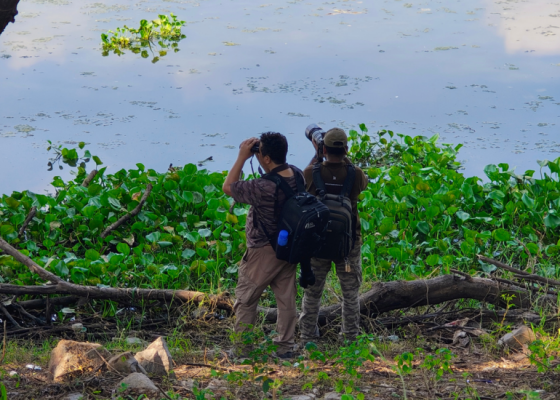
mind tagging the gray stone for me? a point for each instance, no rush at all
(74, 396)
(188, 384)
(332, 396)
(518, 338)
(217, 385)
(70, 357)
(137, 383)
(135, 340)
(125, 363)
(156, 359)
(301, 397)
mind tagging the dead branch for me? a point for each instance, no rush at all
(501, 265)
(131, 214)
(9, 316)
(89, 178)
(26, 314)
(60, 286)
(538, 278)
(28, 219)
(41, 303)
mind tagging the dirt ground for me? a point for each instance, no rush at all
(479, 371)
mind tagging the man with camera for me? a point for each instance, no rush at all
(259, 267)
(337, 183)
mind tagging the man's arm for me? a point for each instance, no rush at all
(235, 172)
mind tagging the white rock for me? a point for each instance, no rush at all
(156, 359)
(518, 338)
(70, 356)
(74, 396)
(138, 383)
(301, 397)
(13, 374)
(78, 328)
(332, 396)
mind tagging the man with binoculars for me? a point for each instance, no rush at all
(338, 184)
(260, 267)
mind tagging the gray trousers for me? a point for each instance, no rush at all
(350, 283)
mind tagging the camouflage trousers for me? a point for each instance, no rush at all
(350, 283)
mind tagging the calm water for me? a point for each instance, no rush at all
(479, 72)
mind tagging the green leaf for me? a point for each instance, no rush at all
(423, 227)
(153, 237)
(97, 160)
(89, 211)
(61, 269)
(123, 248)
(203, 253)
(193, 237)
(92, 255)
(501, 235)
(11, 202)
(467, 190)
(551, 221)
(496, 195)
(432, 212)
(204, 232)
(116, 204)
(94, 189)
(433, 260)
(463, 216)
(81, 145)
(529, 202)
(188, 196)
(6, 229)
(188, 253)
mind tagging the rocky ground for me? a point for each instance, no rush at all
(190, 365)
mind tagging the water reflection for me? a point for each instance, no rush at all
(8, 10)
(527, 27)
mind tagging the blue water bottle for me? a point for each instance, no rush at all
(283, 238)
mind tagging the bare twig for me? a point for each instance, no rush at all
(28, 315)
(28, 219)
(89, 178)
(501, 265)
(538, 278)
(131, 214)
(9, 316)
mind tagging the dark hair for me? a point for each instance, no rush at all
(336, 151)
(275, 146)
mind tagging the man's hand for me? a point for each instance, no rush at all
(245, 148)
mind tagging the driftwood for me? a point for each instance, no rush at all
(56, 285)
(89, 178)
(131, 214)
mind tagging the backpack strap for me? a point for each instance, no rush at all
(318, 180)
(349, 181)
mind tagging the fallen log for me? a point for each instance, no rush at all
(388, 296)
(382, 297)
(57, 285)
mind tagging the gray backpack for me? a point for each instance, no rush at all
(341, 232)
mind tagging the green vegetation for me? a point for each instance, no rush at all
(158, 36)
(420, 215)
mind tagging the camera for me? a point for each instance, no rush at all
(255, 148)
(315, 133)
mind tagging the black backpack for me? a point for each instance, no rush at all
(302, 215)
(341, 231)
